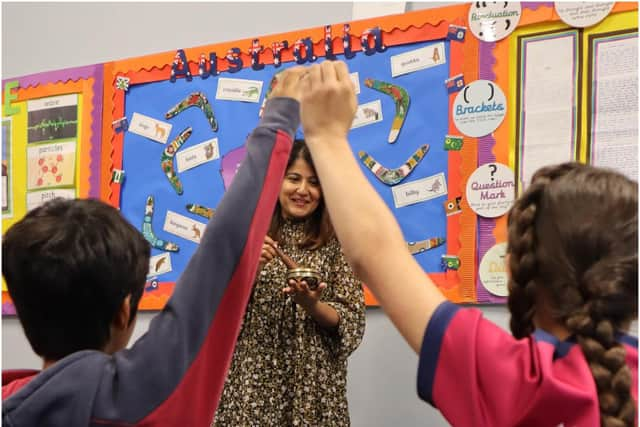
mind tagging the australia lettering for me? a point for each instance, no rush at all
(302, 50)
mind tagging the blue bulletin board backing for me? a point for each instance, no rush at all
(425, 123)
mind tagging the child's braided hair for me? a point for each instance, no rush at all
(573, 244)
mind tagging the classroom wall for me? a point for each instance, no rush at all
(40, 37)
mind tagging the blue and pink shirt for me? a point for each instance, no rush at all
(174, 374)
(477, 374)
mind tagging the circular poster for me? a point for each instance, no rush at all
(493, 21)
(583, 14)
(493, 270)
(491, 190)
(479, 108)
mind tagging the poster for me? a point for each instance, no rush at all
(614, 103)
(7, 188)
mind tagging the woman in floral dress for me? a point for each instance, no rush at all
(289, 367)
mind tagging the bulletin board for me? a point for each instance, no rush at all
(51, 124)
(399, 131)
(174, 125)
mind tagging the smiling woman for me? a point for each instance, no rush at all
(290, 362)
(300, 193)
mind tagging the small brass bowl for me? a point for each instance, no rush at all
(309, 275)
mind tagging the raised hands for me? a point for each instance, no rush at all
(328, 101)
(289, 83)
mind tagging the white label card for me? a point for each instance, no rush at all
(418, 59)
(355, 78)
(194, 156)
(37, 198)
(183, 226)
(239, 89)
(52, 102)
(160, 264)
(420, 190)
(368, 113)
(150, 128)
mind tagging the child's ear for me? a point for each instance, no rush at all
(122, 317)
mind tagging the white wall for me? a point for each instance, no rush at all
(41, 37)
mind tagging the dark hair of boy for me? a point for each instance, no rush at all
(318, 229)
(68, 265)
(573, 254)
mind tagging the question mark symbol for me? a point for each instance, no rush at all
(493, 168)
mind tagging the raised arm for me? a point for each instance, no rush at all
(382, 261)
(174, 374)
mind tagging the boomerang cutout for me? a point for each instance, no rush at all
(166, 161)
(400, 98)
(196, 99)
(393, 176)
(424, 245)
(200, 210)
(272, 84)
(148, 233)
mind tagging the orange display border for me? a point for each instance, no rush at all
(398, 30)
(422, 25)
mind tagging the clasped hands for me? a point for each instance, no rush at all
(327, 98)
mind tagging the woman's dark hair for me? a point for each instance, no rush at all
(573, 239)
(318, 229)
(69, 265)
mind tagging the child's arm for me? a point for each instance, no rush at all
(405, 292)
(174, 374)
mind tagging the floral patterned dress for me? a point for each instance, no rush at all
(286, 369)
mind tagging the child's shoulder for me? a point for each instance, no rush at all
(14, 379)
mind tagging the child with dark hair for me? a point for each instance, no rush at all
(573, 259)
(76, 271)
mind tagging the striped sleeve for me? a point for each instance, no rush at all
(182, 361)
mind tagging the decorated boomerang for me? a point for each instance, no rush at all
(400, 98)
(200, 210)
(196, 99)
(147, 230)
(424, 245)
(393, 176)
(166, 161)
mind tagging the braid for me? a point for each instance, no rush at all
(522, 249)
(522, 261)
(594, 324)
(573, 241)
